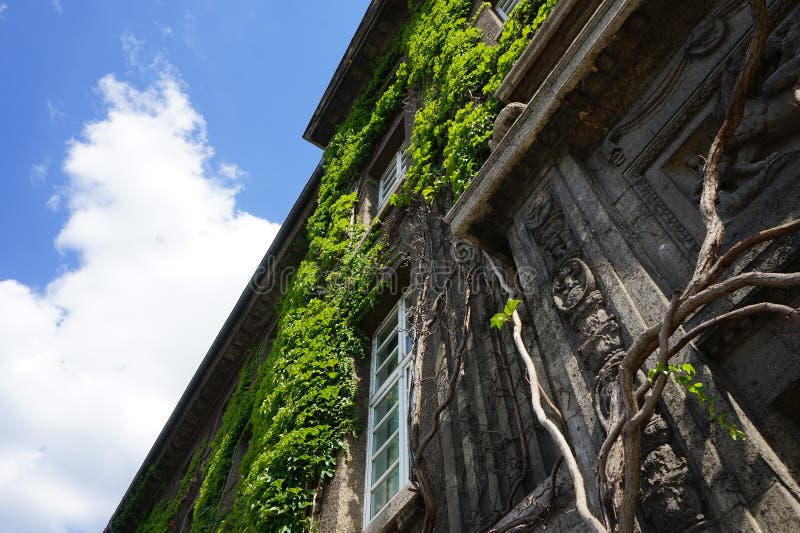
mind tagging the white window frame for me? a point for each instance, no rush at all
(393, 175)
(504, 8)
(399, 377)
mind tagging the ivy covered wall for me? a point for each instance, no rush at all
(293, 410)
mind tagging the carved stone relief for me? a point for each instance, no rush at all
(767, 139)
(670, 500)
(669, 491)
(659, 146)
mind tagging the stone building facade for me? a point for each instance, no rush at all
(588, 202)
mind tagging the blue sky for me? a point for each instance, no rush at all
(150, 151)
(254, 69)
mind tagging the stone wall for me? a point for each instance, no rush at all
(596, 216)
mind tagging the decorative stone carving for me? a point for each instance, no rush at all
(549, 229)
(505, 119)
(706, 36)
(703, 40)
(670, 500)
(575, 293)
(762, 145)
(572, 282)
(664, 214)
(669, 494)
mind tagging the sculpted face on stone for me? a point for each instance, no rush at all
(547, 226)
(538, 211)
(570, 284)
(604, 338)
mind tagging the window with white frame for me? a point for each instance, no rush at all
(504, 8)
(393, 174)
(387, 438)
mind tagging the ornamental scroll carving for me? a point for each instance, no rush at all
(669, 489)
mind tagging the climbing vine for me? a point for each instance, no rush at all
(207, 514)
(298, 406)
(304, 406)
(162, 516)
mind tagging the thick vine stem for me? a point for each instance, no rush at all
(422, 332)
(540, 504)
(715, 229)
(735, 251)
(555, 433)
(558, 437)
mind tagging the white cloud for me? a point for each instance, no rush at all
(3, 9)
(38, 173)
(166, 31)
(231, 171)
(55, 110)
(190, 35)
(57, 6)
(132, 48)
(92, 366)
(54, 202)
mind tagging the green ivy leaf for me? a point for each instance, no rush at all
(499, 320)
(511, 306)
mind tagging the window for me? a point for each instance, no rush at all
(392, 175)
(387, 438)
(504, 8)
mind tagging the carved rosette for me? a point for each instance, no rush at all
(576, 294)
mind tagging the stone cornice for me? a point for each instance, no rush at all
(582, 70)
(577, 60)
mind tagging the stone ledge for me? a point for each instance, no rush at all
(398, 513)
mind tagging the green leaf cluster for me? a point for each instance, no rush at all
(506, 315)
(162, 516)
(684, 375)
(457, 73)
(207, 514)
(304, 405)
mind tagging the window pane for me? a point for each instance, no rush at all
(505, 7)
(389, 329)
(394, 172)
(386, 458)
(408, 325)
(384, 372)
(385, 405)
(402, 162)
(385, 430)
(384, 491)
(385, 351)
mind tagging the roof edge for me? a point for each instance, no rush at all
(358, 54)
